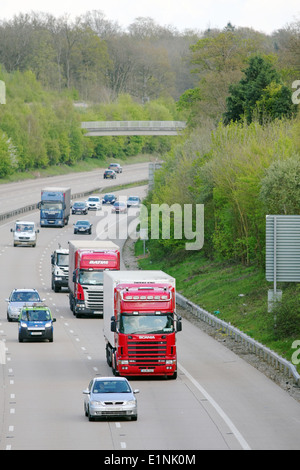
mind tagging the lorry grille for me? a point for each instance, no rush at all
(94, 298)
(147, 353)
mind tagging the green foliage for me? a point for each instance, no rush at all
(280, 188)
(287, 317)
(240, 173)
(6, 156)
(260, 93)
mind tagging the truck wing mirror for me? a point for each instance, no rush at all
(113, 326)
(179, 324)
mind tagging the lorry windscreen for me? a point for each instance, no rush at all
(62, 259)
(146, 324)
(91, 277)
(51, 206)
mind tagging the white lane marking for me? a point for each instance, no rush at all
(2, 352)
(219, 410)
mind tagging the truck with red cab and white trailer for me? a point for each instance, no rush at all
(140, 323)
(88, 260)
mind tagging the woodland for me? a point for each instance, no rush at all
(236, 88)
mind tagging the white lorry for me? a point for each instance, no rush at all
(59, 269)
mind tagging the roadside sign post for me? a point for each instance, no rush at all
(282, 253)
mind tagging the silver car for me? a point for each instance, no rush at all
(110, 397)
(18, 299)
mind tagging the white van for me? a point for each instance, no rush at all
(25, 233)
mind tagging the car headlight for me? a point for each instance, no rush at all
(23, 325)
(96, 403)
(48, 324)
(130, 402)
(13, 309)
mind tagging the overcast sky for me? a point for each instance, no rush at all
(261, 15)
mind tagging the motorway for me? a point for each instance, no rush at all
(218, 401)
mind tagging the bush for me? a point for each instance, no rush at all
(287, 317)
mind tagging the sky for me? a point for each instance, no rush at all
(262, 15)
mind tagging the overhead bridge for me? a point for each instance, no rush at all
(105, 128)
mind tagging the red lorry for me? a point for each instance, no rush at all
(140, 323)
(87, 262)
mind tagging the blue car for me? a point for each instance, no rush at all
(36, 323)
(83, 226)
(109, 199)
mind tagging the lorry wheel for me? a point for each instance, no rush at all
(108, 356)
(114, 370)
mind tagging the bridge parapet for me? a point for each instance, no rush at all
(102, 128)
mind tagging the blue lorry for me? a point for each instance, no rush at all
(55, 207)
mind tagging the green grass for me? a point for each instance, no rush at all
(237, 294)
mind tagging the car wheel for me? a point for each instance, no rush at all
(91, 418)
(134, 418)
(20, 339)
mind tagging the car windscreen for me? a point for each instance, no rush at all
(25, 297)
(35, 315)
(111, 386)
(24, 228)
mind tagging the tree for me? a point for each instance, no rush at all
(280, 188)
(259, 93)
(5, 156)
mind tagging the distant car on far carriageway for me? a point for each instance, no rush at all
(116, 167)
(110, 174)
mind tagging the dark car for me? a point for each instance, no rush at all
(109, 199)
(109, 174)
(116, 167)
(119, 207)
(83, 226)
(133, 201)
(79, 208)
(36, 323)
